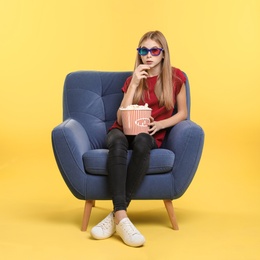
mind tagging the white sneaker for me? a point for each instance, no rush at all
(104, 229)
(128, 232)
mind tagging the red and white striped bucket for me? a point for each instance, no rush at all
(135, 121)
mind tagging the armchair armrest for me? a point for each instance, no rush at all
(70, 142)
(186, 140)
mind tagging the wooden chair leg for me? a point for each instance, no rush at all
(171, 214)
(86, 215)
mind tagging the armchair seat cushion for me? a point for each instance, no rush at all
(161, 161)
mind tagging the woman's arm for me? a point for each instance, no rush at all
(181, 115)
(139, 74)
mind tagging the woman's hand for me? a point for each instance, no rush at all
(181, 115)
(139, 74)
(155, 126)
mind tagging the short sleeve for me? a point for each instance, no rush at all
(126, 84)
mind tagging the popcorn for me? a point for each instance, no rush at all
(136, 107)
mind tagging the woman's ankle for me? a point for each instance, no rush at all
(119, 215)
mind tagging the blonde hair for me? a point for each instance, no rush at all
(164, 86)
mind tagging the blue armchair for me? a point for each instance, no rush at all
(90, 102)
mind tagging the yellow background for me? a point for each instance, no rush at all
(215, 42)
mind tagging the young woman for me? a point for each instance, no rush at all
(161, 86)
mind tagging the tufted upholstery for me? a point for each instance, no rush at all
(90, 102)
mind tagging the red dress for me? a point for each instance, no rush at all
(158, 112)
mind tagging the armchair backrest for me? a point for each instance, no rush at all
(92, 98)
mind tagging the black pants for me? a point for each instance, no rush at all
(124, 180)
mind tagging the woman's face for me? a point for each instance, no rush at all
(153, 61)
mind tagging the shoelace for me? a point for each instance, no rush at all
(130, 229)
(106, 224)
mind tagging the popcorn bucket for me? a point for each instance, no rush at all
(135, 121)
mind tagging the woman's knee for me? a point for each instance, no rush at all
(143, 141)
(116, 138)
